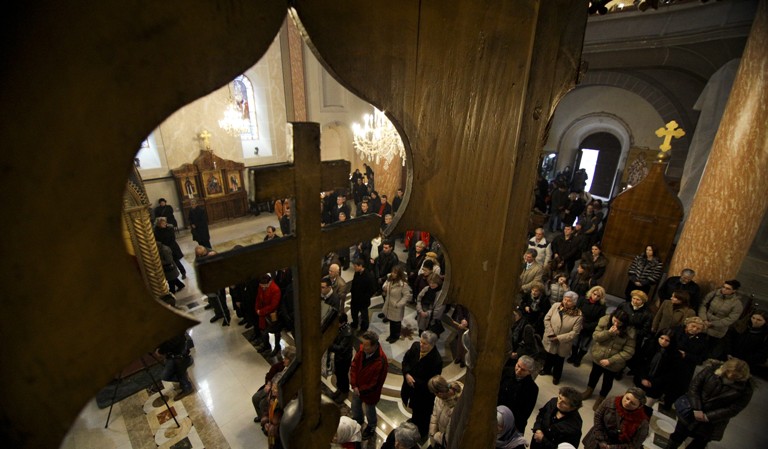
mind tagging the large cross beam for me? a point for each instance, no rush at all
(303, 250)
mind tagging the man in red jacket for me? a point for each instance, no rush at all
(367, 375)
(267, 303)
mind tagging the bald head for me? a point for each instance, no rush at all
(334, 270)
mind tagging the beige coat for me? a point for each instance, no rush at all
(616, 348)
(668, 317)
(721, 312)
(440, 422)
(533, 274)
(398, 295)
(565, 327)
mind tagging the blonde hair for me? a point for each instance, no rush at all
(598, 289)
(640, 294)
(737, 368)
(438, 384)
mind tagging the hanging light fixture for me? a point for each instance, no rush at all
(377, 139)
(234, 122)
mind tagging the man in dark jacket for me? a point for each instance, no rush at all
(165, 210)
(342, 358)
(385, 262)
(165, 234)
(518, 391)
(558, 421)
(566, 247)
(685, 283)
(363, 288)
(367, 375)
(198, 221)
(177, 360)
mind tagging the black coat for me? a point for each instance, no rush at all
(641, 319)
(661, 372)
(556, 431)
(519, 395)
(591, 314)
(719, 401)
(363, 287)
(167, 237)
(418, 397)
(199, 218)
(342, 345)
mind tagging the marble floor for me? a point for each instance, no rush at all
(227, 370)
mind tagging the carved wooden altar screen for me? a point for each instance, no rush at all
(471, 85)
(216, 183)
(648, 213)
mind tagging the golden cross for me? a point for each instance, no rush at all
(206, 137)
(668, 132)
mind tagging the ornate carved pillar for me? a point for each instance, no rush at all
(733, 187)
(139, 237)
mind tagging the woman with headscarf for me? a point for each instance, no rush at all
(658, 365)
(348, 435)
(507, 436)
(620, 423)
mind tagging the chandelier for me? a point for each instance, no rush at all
(236, 120)
(233, 121)
(378, 139)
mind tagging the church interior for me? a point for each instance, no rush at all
(208, 106)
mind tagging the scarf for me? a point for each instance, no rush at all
(572, 311)
(509, 437)
(630, 420)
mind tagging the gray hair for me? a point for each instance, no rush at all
(407, 434)
(430, 336)
(289, 352)
(688, 272)
(528, 362)
(571, 294)
(371, 336)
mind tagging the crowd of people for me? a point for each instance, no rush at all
(682, 350)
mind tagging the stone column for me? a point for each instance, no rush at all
(733, 194)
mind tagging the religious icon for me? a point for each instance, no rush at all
(190, 190)
(234, 182)
(213, 183)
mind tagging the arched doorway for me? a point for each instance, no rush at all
(599, 155)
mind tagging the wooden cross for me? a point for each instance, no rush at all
(205, 136)
(668, 132)
(303, 250)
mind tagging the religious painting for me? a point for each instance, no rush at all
(189, 187)
(234, 181)
(213, 183)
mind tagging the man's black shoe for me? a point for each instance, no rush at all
(216, 318)
(368, 433)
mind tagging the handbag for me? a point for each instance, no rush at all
(684, 408)
(273, 323)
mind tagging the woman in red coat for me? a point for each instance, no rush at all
(267, 302)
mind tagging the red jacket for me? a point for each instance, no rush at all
(267, 301)
(368, 375)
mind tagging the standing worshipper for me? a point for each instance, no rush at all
(672, 313)
(430, 305)
(518, 391)
(718, 393)
(342, 358)
(218, 300)
(592, 308)
(751, 345)
(198, 221)
(659, 364)
(532, 271)
(363, 288)
(369, 176)
(719, 310)
(367, 375)
(267, 303)
(644, 273)
(621, 423)
(165, 234)
(558, 421)
(164, 209)
(561, 326)
(397, 294)
(612, 346)
(508, 436)
(169, 268)
(447, 395)
(421, 363)
(542, 246)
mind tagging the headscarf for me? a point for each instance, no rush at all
(348, 431)
(509, 437)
